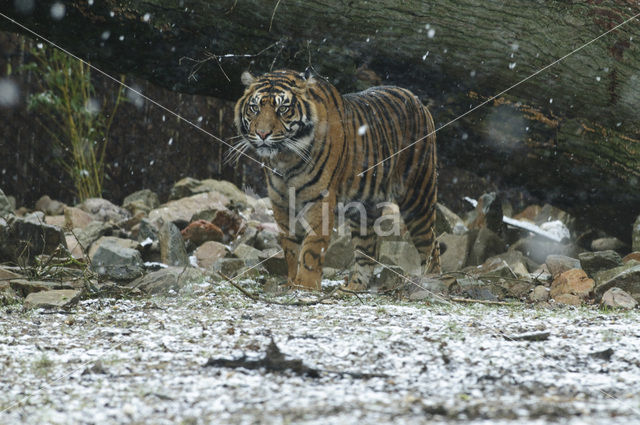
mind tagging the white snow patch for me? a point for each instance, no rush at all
(58, 11)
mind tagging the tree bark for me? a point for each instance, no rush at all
(570, 134)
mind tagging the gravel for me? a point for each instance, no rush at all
(140, 361)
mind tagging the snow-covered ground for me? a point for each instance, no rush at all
(140, 361)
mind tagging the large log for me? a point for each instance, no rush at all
(571, 134)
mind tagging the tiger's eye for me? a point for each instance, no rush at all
(283, 109)
(254, 108)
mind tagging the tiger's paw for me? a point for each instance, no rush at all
(307, 281)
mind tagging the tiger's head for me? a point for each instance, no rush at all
(274, 117)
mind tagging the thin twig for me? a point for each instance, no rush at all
(274, 14)
(472, 301)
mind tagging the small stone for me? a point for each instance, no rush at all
(56, 220)
(593, 262)
(49, 206)
(558, 264)
(574, 282)
(606, 244)
(249, 254)
(59, 298)
(540, 294)
(247, 236)
(7, 275)
(447, 221)
(166, 279)
(172, 249)
(92, 233)
(266, 239)
(104, 210)
(147, 230)
(111, 240)
(617, 298)
(388, 278)
(209, 252)
(229, 267)
(115, 262)
(74, 247)
(24, 287)
(201, 231)
(273, 261)
(182, 210)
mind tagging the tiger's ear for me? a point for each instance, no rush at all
(307, 75)
(247, 79)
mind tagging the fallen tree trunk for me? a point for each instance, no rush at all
(571, 134)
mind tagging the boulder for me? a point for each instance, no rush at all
(49, 206)
(60, 298)
(201, 231)
(608, 244)
(557, 264)
(113, 261)
(5, 205)
(635, 236)
(189, 186)
(182, 210)
(617, 298)
(454, 258)
(625, 277)
(104, 210)
(574, 282)
(593, 262)
(141, 201)
(22, 239)
(486, 244)
(402, 254)
(167, 279)
(209, 252)
(172, 249)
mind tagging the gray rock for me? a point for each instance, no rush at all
(551, 213)
(143, 200)
(231, 267)
(388, 278)
(617, 298)
(593, 262)
(116, 262)
(608, 244)
(517, 262)
(59, 298)
(111, 240)
(493, 267)
(22, 239)
(172, 249)
(247, 237)
(635, 235)
(266, 239)
(94, 231)
(49, 206)
(626, 277)
(428, 288)
(146, 230)
(540, 294)
(454, 258)
(402, 254)
(7, 295)
(486, 244)
(75, 218)
(248, 253)
(557, 264)
(209, 252)
(104, 210)
(182, 210)
(447, 221)
(189, 186)
(164, 280)
(339, 254)
(274, 262)
(24, 287)
(5, 205)
(473, 288)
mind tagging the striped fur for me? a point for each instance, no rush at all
(320, 141)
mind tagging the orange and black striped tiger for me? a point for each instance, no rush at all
(319, 142)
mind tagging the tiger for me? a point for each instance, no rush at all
(319, 147)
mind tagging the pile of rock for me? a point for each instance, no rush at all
(210, 228)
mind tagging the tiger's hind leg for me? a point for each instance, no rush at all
(419, 214)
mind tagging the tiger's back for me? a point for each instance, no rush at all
(367, 147)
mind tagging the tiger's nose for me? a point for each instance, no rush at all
(263, 134)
